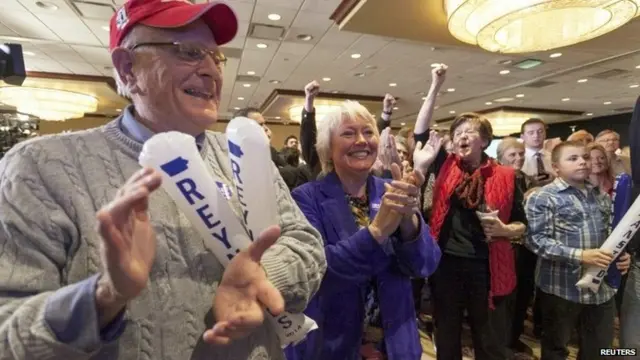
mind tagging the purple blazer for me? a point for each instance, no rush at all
(354, 257)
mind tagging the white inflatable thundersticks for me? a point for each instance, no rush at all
(186, 179)
(205, 203)
(615, 243)
(255, 182)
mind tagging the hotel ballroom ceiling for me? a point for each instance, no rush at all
(595, 78)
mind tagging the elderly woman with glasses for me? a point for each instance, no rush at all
(477, 208)
(375, 240)
(511, 153)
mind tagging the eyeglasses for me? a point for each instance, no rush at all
(189, 52)
(468, 132)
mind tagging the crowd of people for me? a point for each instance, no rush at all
(97, 262)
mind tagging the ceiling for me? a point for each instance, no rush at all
(73, 40)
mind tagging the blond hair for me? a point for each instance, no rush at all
(349, 110)
(506, 144)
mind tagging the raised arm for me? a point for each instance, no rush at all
(387, 109)
(308, 129)
(423, 122)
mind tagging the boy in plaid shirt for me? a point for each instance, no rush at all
(568, 222)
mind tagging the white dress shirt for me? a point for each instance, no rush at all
(530, 166)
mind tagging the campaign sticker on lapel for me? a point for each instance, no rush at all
(375, 206)
(225, 190)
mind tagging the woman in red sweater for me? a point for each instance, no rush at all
(477, 269)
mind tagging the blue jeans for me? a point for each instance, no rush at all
(629, 323)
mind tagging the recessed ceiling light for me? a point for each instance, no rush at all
(435, 65)
(583, 80)
(634, 86)
(355, 56)
(246, 85)
(240, 98)
(262, 46)
(555, 55)
(118, 110)
(424, 98)
(528, 64)
(504, 72)
(395, 108)
(589, 114)
(335, 92)
(488, 103)
(274, 81)
(304, 37)
(236, 108)
(637, 66)
(359, 74)
(519, 95)
(607, 102)
(451, 89)
(326, 79)
(277, 117)
(46, 5)
(393, 84)
(105, 28)
(505, 62)
(251, 72)
(29, 53)
(274, 17)
(566, 99)
(504, 99)
(403, 124)
(452, 112)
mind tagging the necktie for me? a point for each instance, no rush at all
(540, 164)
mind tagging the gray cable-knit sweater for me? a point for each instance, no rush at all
(51, 188)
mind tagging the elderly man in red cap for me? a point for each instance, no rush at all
(136, 281)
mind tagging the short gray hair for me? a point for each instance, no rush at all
(506, 144)
(349, 110)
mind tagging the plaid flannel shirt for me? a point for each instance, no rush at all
(564, 220)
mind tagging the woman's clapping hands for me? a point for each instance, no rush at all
(400, 205)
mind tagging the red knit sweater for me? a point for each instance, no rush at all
(499, 191)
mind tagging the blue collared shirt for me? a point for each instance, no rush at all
(71, 312)
(563, 221)
(140, 133)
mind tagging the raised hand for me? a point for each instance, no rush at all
(438, 74)
(387, 151)
(388, 103)
(312, 89)
(128, 245)
(244, 292)
(423, 156)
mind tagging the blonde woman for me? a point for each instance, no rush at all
(582, 136)
(375, 240)
(601, 175)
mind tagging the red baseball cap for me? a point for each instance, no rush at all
(173, 14)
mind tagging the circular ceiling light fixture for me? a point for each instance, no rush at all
(514, 26)
(48, 104)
